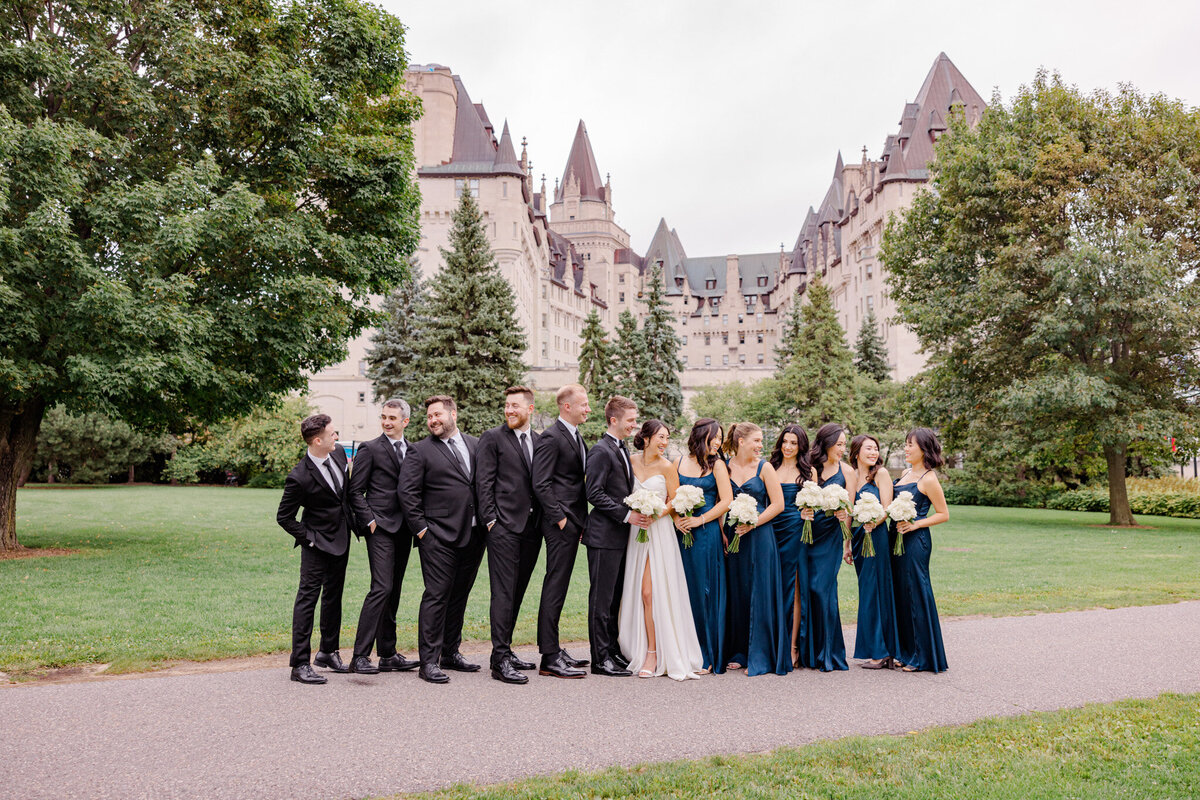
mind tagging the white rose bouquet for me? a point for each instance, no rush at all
(809, 496)
(687, 501)
(742, 511)
(902, 509)
(836, 499)
(868, 511)
(646, 502)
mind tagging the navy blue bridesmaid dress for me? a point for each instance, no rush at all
(704, 566)
(756, 635)
(794, 567)
(826, 649)
(916, 612)
(877, 637)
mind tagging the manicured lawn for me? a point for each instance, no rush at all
(1132, 749)
(201, 573)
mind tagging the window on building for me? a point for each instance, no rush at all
(740, 319)
(620, 279)
(621, 297)
(741, 337)
(741, 358)
(685, 338)
(724, 319)
(683, 359)
(725, 360)
(760, 358)
(362, 397)
(750, 300)
(762, 280)
(683, 320)
(544, 325)
(711, 283)
(543, 291)
(724, 338)
(760, 338)
(706, 322)
(870, 269)
(504, 188)
(758, 317)
(708, 361)
(707, 340)
(870, 302)
(362, 368)
(460, 183)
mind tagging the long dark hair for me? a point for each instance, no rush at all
(931, 448)
(649, 428)
(855, 446)
(827, 437)
(697, 445)
(803, 460)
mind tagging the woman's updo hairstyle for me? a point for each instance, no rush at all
(649, 428)
(702, 432)
(931, 448)
(738, 431)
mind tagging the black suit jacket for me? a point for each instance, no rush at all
(503, 481)
(558, 479)
(374, 488)
(435, 493)
(327, 517)
(607, 488)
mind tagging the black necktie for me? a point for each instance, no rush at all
(333, 477)
(457, 457)
(628, 464)
(582, 449)
(399, 453)
(525, 450)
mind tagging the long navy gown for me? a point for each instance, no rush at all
(704, 566)
(756, 634)
(916, 612)
(788, 526)
(877, 636)
(826, 649)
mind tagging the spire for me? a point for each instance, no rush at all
(506, 158)
(582, 163)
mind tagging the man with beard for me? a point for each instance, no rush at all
(438, 498)
(504, 486)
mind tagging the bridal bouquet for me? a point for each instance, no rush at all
(836, 499)
(902, 509)
(687, 501)
(646, 502)
(809, 496)
(742, 511)
(866, 511)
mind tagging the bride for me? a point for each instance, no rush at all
(655, 627)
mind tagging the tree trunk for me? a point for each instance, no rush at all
(1119, 512)
(52, 471)
(18, 436)
(131, 469)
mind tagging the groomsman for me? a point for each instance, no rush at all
(504, 486)
(438, 498)
(559, 459)
(375, 498)
(609, 482)
(318, 485)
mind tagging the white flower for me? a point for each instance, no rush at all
(868, 509)
(646, 502)
(743, 510)
(834, 497)
(688, 499)
(809, 496)
(903, 509)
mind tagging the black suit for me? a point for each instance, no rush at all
(609, 482)
(504, 486)
(323, 535)
(438, 497)
(374, 496)
(558, 485)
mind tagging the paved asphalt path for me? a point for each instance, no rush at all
(255, 734)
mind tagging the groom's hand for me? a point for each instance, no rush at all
(641, 520)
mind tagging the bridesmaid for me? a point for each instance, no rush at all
(826, 649)
(757, 636)
(877, 640)
(703, 562)
(916, 612)
(792, 467)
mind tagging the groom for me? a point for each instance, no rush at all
(609, 482)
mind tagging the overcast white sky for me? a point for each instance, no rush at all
(726, 118)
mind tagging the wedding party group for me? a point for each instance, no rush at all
(715, 561)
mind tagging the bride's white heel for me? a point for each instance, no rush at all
(648, 673)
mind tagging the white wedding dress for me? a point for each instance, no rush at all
(678, 648)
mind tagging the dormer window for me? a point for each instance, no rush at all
(711, 283)
(762, 280)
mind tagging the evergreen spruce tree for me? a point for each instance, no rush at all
(787, 341)
(660, 394)
(471, 344)
(869, 354)
(629, 357)
(392, 358)
(818, 381)
(595, 360)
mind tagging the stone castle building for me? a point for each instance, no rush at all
(565, 254)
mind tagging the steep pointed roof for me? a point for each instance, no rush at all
(475, 150)
(665, 246)
(506, 157)
(582, 164)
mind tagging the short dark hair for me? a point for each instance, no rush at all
(314, 426)
(617, 404)
(525, 390)
(444, 399)
(396, 402)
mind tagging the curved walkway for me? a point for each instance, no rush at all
(255, 734)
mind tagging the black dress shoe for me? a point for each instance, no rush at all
(573, 662)
(363, 666)
(556, 666)
(305, 674)
(433, 674)
(520, 664)
(456, 661)
(620, 660)
(507, 673)
(397, 663)
(608, 667)
(331, 660)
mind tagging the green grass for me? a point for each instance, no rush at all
(1134, 749)
(203, 572)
